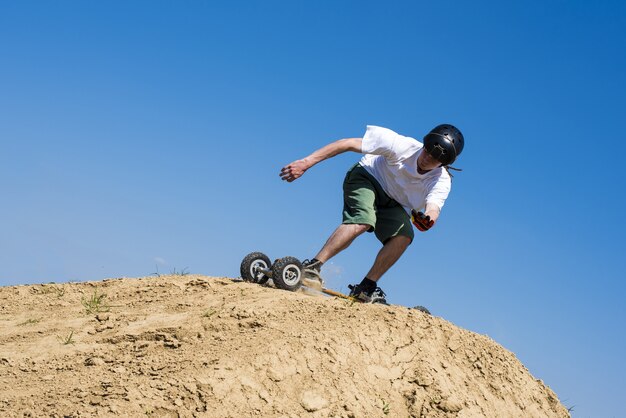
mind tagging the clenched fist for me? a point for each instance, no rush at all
(295, 170)
(421, 221)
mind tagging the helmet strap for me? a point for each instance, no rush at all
(449, 167)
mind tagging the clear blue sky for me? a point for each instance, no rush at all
(144, 135)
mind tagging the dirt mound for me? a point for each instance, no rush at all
(183, 346)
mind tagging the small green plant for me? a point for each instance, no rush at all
(31, 321)
(67, 340)
(385, 407)
(209, 313)
(96, 303)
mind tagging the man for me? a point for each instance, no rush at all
(386, 191)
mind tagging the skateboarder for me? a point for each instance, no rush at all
(397, 182)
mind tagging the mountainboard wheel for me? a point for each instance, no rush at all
(250, 266)
(287, 273)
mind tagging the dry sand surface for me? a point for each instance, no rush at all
(197, 346)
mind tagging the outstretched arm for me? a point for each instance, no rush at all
(296, 169)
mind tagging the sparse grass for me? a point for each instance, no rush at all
(31, 321)
(96, 303)
(157, 271)
(183, 272)
(67, 340)
(385, 407)
(174, 272)
(52, 288)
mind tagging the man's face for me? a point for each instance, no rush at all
(427, 162)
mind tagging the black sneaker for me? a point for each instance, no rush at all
(310, 264)
(376, 296)
(311, 270)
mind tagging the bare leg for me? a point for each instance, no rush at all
(388, 255)
(340, 240)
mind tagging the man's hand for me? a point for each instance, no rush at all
(295, 170)
(421, 221)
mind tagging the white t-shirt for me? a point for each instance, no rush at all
(392, 159)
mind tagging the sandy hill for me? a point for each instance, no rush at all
(196, 346)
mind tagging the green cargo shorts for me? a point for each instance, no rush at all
(365, 202)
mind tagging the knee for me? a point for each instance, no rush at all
(401, 241)
(356, 229)
(361, 228)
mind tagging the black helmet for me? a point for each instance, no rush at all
(445, 143)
